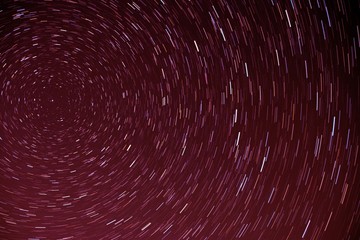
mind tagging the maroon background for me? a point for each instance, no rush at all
(117, 114)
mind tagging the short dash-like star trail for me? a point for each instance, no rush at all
(179, 119)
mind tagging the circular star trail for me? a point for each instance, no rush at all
(179, 119)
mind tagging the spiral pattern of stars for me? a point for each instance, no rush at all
(160, 119)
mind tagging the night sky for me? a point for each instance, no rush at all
(179, 119)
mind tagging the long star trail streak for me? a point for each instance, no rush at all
(181, 119)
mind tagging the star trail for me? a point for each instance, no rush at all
(178, 119)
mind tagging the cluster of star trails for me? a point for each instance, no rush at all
(159, 119)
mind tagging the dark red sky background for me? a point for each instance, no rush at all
(179, 119)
